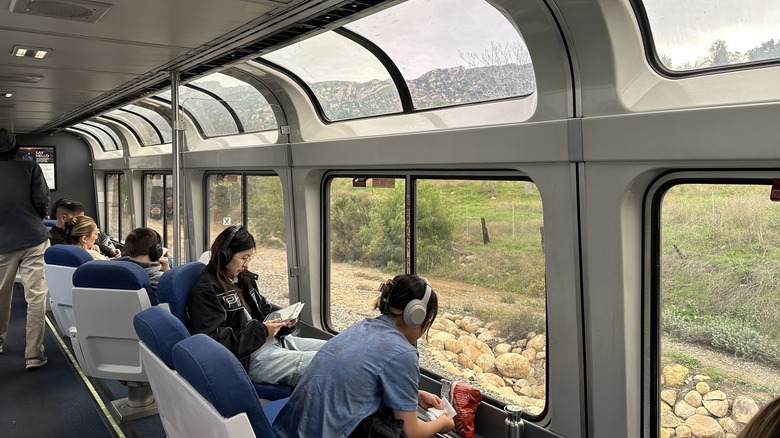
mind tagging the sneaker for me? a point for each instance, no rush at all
(36, 362)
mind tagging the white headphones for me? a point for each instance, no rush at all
(415, 310)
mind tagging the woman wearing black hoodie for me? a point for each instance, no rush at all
(225, 304)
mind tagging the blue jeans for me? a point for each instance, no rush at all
(283, 361)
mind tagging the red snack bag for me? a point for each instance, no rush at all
(465, 399)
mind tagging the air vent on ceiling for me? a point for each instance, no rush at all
(78, 10)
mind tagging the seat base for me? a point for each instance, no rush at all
(139, 403)
(121, 409)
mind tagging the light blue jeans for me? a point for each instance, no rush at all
(283, 361)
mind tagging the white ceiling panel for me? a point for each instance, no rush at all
(95, 66)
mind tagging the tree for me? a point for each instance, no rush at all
(768, 50)
(350, 216)
(505, 70)
(435, 226)
(265, 209)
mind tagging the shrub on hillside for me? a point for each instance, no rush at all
(350, 215)
(436, 225)
(720, 332)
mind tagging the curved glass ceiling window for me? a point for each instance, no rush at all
(107, 129)
(212, 117)
(106, 142)
(452, 51)
(155, 118)
(348, 80)
(253, 111)
(698, 34)
(146, 133)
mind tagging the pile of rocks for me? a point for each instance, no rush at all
(466, 348)
(691, 408)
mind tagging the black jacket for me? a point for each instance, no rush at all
(25, 198)
(221, 315)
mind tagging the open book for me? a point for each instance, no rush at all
(446, 409)
(290, 312)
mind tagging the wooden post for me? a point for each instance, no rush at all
(485, 237)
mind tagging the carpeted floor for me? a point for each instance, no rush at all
(49, 402)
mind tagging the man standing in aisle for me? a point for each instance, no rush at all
(23, 239)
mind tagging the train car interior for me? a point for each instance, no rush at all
(587, 184)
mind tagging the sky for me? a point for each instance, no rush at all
(685, 29)
(421, 35)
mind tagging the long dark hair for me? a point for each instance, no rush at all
(242, 240)
(398, 292)
(765, 424)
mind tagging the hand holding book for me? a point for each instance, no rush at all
(286, 314)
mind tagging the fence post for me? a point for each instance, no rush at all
(467, 221)
(485, 237)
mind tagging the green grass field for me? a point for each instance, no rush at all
(720, 268)
(720, 258)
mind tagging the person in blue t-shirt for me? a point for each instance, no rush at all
(370, 365)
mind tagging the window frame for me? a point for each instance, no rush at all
(651, 53)
(651, 269)
(410, 178)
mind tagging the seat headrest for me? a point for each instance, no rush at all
(113, 274)
(219, 377)
(175, 287)
(66, 255)
(160, 331)
(205, 258)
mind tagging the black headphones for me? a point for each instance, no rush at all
(156, 250)
(415, 310)
(225, 254)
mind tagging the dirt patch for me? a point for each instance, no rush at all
(736, 376)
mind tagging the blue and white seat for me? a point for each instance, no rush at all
(60, 262)
(226, 404)
(106, 297)
(158, 332)
(175, 288)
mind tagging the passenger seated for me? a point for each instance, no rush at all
(82, 231)
(226, 305)
(65, 209)
(370, 365)
(144, 248)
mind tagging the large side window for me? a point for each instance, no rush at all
(118, 206)
(256, 202)
(158, 206)
(479, 243)
(719, 282)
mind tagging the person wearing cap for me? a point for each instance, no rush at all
(23, 239)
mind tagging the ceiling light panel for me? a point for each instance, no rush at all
(31, 52)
